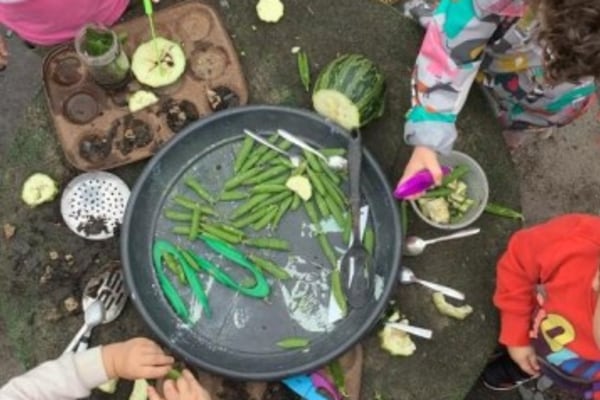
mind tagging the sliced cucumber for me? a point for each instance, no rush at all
(39, 188)
(141, 99)
(336, 106)
(158, 62)
(270, 10)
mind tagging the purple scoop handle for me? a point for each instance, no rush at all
(419, 182)
(322, 383)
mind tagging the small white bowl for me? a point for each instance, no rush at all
(477, 189)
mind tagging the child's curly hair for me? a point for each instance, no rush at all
(570, 35)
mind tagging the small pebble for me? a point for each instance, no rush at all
(295, 49)
(9, 231)
(53, 255)
(71, 304)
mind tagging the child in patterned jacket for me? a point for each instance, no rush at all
(536, 60)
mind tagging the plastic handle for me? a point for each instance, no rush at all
(447, 291)
(148, 10)
(419, 182)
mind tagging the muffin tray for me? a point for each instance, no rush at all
(94, 125)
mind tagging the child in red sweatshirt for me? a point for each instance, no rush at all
(547, 294)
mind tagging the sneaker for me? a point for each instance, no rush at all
(504, 374)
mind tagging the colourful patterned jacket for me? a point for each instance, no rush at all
(493, 41)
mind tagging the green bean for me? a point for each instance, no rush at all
(186, 202)
(231, 229)
(250, 218)
(296, 202)
(243, 153)
(195, 224)
(240, 177)
(293, 343)
(322, 205)
(369, 240)
(269, 267)
(304, 69)
(272, 154)
(316, 181)
(331, 151)
(173, 374)
(268, 217)
(330, 173)
(199, 189)
(268, 188)
(177, 216)
(404, 216)
(233, 195)
(338, 215)
(190, 260)
(253, 159)
(282, 161)
(438, 192)
(339, 379)
(174, 266)
(333, 192)
(285, 205)
(181, 230)
(457, 172)
(249, 205)
(312, 161)
(327, 249)
(347, 229)
(311, 211)
(300, 168)
(268, 243)
(222, 234)
(503, 211)
(338, 293)
(278, 198)
(266, 175)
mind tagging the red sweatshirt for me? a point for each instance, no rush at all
(545, 296)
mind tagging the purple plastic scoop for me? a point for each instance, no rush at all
(419, 182)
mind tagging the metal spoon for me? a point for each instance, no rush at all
(408, 276)
(93, 317)
(356, 267)
(295, 160)
(414, 245)
(334, 162)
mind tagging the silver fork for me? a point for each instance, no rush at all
(109, 289)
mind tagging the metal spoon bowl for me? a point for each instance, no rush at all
(93, 317)
(414, 245)
(408, 276)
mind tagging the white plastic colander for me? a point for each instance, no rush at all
(93, 204)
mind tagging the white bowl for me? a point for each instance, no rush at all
(477, 189)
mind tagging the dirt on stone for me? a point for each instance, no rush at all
(95, 147)
(179, 114)
(132, 132)
(277, 391)
(93, 226)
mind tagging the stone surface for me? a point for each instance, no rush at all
(443, 368)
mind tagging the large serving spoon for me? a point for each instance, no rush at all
(93, 316)
(356, 267)
(414, 245)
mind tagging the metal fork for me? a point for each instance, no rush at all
(109, 289)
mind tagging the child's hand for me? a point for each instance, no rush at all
(135, 359)
(185, 388)
(525, 357)
(423, 158)
(3, 53)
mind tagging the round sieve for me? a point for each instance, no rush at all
(93, 204)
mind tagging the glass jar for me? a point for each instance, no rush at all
(100, 50)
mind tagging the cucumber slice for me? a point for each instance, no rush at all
(269, 10)
(158, 62)
(39, 188)
(337, 107)
(141, 99)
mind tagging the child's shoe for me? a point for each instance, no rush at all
(504, 374)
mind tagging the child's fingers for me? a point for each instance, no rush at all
(153, 372)
(184, 387)
(153, 394)
(157, 359)
(533, 362)
(198, 392)
(170, 391)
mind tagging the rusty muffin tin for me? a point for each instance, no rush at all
(93, 123)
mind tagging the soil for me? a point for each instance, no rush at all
(208, 62)
(277, 391)
(132, 133)
(67, 71)
(93, 226)
(179, 113)
(221, 98)
(233, 390)
(95, 147)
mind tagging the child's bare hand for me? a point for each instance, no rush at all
(136, 359)
(422, 158)
(185, 388)
(3, 53)
(525, 357)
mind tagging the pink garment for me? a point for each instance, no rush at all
(48, 22)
